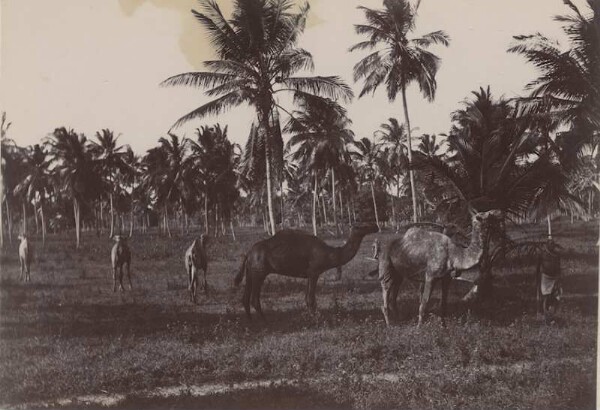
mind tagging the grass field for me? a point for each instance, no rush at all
(67, 334)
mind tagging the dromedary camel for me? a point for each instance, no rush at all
(422, 251)
(119, 256)
(298, 254)
(195, 259)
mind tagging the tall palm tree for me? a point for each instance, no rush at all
(165, 175)
(397, 60)
(321, 131)
(568, 88)
(73, 158)
(37, 183)
(110, 159)
(258, 58)
(394, 141)
(492, 164)
(367, 156)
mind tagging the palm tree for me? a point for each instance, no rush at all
(110, 159)
(165, 175)
(258, 58)
(568, 89)
(492, 164)
(320, 130)
(394, 141)
(367, 155)
(73, 158)
(397, 60)
(37, 183)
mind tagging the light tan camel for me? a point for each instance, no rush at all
(119, 256)
(432, 256)
(195, 259)
(25, 256)
(298, 254)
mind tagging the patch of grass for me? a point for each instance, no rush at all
(66, 333)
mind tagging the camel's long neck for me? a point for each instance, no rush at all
(344, 254)
(466, 258)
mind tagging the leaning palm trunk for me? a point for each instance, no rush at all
(8, 221)
(205, 213)
(43, 222)
(112, 216)
(314, 208)
(269, 192)
(549, 220)
(337, 228)
(24, 217)
(76, 212)
(375, 204)
(410, 171)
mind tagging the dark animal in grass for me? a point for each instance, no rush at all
(432, 257)
(547, 275)
(119, 256)
(297, 254)
(25, 256)
(195, 259)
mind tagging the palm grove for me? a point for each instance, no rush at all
(532, 157)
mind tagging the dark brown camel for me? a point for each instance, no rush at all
(297, 254)
(432, 257)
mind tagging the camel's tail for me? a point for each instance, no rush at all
(242, 272)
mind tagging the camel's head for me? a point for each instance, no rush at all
(364, 228)
(119, 238)
(488, 218)
(22, 237)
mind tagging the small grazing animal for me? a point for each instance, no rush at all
(25, 256)
(120, 255)
(195, 258)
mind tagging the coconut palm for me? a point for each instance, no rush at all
(110, 160)
(568, 89)
(37, 183)
(367, 156)
(320, 130)
(74, 167)
(492, 164)
(258, 58)
(397, 60)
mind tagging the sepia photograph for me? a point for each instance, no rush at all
(299, 204)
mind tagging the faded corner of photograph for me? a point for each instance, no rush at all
(299, 204)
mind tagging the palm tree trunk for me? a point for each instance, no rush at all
(375, 204)
(43, 224)
(1, 221)
(325, 221)
(269, 189)
(282, 204)
(205, 213)
(8, 221)
(231, 227)
(24, 218)
(549, 220)
(410, 171)
(393, 210)
(35, 217)
(349, 215)
(131, 222)
(112, 216)
(77, 220)
(337, 228)
(314, 208)
(167, 229)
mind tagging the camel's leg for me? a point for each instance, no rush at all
(22, 275)
(394, 296)
(193, 283)
(121, 288)
(445, 286)
(114, 278)
(425, 299)
(28, 271)
(311, 288)
(247, 295)
(129, 275)
(256, 288)
(189, 268)
(385, 309)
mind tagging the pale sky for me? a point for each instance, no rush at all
(89, 64)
